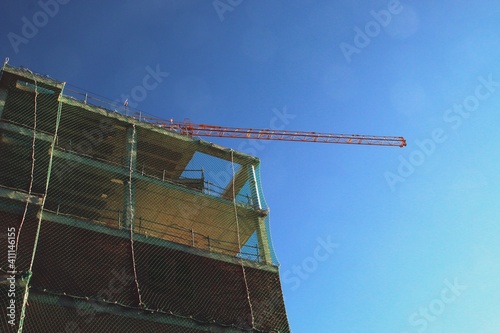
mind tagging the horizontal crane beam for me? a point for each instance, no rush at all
(281, 135)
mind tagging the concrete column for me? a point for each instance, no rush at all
(262, 236)
(130, 184)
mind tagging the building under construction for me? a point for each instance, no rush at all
(111, 222)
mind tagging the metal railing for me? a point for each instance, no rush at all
(173, 233)
(208, 188)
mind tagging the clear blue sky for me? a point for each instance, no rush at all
(416, 229)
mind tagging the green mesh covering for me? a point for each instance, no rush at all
(111, 223)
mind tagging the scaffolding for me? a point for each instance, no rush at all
(119, 225)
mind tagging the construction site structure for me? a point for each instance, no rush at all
(111, 223)
(119, 222)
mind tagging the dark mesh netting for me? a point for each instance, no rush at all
(112, 222)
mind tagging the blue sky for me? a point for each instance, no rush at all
(415, 229)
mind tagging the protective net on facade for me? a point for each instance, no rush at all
(111, 223)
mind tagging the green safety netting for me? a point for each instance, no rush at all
(112, 222)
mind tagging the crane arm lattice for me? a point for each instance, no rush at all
(190, 129)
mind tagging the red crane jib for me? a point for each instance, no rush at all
(190, 129)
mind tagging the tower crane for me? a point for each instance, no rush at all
(190, 129)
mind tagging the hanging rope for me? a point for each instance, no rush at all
(29, 273)
(32, 171)
(239, 241)
(130, 209)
